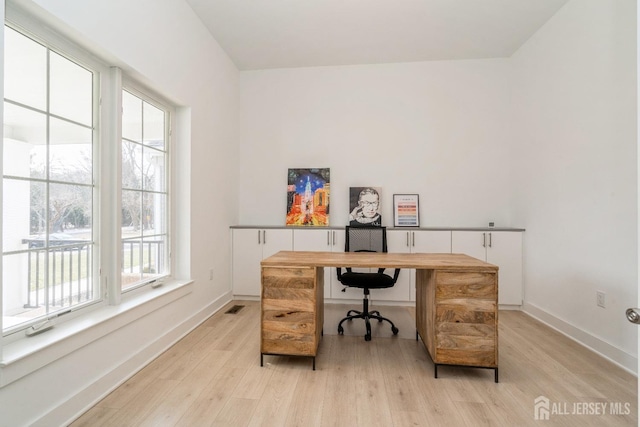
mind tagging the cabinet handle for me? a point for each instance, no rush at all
(484, 240)
(334, 237)
(259, 237)
(264, 237)
(328, 237)
(489, 239)
(407, 239)
(413, 238)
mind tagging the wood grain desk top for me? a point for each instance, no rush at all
(431, 261)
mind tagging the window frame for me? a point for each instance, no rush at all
(107, 185)
(137, 89)
(28, 27)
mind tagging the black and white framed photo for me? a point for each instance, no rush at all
(364, 207)
(406, 210)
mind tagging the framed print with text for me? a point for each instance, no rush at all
(406, 210)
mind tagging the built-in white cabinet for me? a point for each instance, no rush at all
(413, 241)
(249, 247)
(324, 241)
(502, 248)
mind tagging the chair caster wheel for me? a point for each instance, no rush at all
(394, 330)
(340, 330)
(367, 337)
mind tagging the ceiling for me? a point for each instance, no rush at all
(260, 34)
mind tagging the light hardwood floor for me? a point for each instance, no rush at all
(213, 377)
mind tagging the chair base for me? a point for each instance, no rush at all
(367, 316)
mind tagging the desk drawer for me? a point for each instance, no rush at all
(466, 311)
(292, 315)
(466, 285)
(461, 325)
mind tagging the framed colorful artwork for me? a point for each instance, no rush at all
(308, 197)
(406, 211)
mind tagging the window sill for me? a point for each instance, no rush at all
(21, 357)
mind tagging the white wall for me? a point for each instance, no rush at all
(575, 160)
(554, 152)
(438, 129)
(164, 43)
(544, 140)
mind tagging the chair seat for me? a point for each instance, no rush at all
(367, 280)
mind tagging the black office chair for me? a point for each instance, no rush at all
(366, 239)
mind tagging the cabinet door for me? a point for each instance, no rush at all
(331, 273)
(276, 240)
(502, 248)
(472, 243)
(316, 240)
(428, 242)
(505, 250)
(398, 241)
(416, 241)
(312, 240)
(250, 246)
(246, 257)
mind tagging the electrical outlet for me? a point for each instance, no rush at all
(600, 299)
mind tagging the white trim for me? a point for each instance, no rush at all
(626, 361)
(27, 355)
(84, 400)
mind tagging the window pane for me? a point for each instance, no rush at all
(47, 183)
(24, 148)
(42, 281)
(18, 297)
(23, 213)
(154, 126)
(142, 260)
(55, 271)
(71, 90)
(155, 214)
(153, 167)
(144, 198)
(70, 211)
(70, 152)
(131, 117)
(25, 70)
(153, 257)
(131, 165)
(131, 213)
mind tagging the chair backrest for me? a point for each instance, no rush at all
(365, 239)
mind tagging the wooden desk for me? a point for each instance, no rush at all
(456, 303)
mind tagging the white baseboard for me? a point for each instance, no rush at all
(610, 352)
(84, 400)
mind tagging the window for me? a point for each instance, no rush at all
(57, 176)
(48, 182)
(144, 194)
